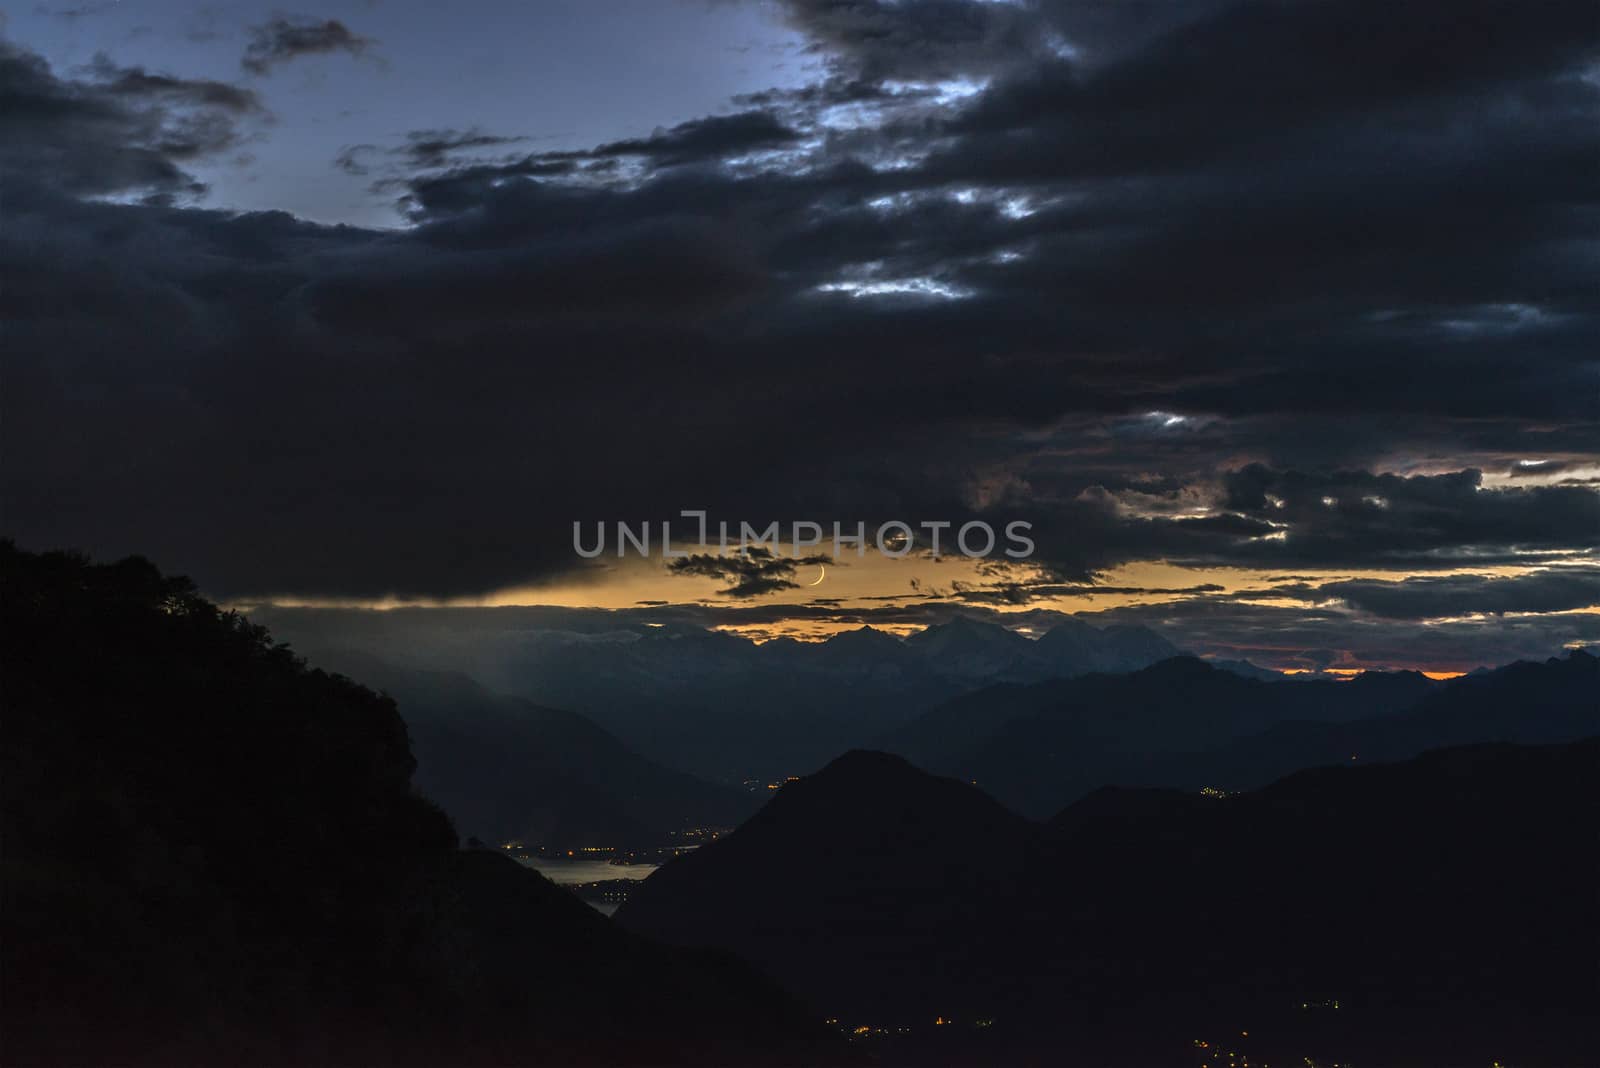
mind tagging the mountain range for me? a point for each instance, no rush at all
(214, 852)
(1185, 723)
(1426, 913)
(727, 709)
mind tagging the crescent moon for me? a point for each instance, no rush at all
(822, 573)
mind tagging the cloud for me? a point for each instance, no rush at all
(1035, 592)
(1549, 590)
(439, 148)
(1538, 468)
(1356, 517)
(1280, 637)
(422, 150)
(136, 83)
(355, 160)
(284, 38)
(708, 138)
(119, 130)
(81, 11)
(752, 574)
(918, 39)
(1269, 636)
(1135, 290)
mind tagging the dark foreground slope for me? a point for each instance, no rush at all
(1433, 912)
(214, 855)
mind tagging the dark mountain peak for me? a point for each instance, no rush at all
(1133, 630)
(1184, 668)
(1070, 637)
(966, 629)
(1399, 673)
(864, 653)
(869, 775)
(864, 629)
(971, 649)
(871, 795)
(1068, 628)
(781, 643)
(1074, 647)
(1138, 637)
(1578, 664)
(866, 762)
(1245, 669)
(699, 637)
(1394, 680)
(869, 835)
(865, 637)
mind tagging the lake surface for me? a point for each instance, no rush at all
(568, 872)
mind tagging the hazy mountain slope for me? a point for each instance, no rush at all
(1073, 647)
(726, 709)
(1251, 671)
(1038, 747)
(506, 768)
(1528, 703)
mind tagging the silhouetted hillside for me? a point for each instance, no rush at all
(1038, 747)
(1425, 913)
(1207, 729)
(214, 855)
(914, 868)
(1528, 703)
(506, 768)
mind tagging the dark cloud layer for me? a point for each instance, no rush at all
(1165, 279)
(1557, 590)
(120, 130)
(755, 572)
(874, 40)
(709, 138)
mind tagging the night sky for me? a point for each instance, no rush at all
(1277, 320)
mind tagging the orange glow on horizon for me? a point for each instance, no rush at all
(890, 594)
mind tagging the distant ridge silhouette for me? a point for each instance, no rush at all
(1186, 723)
(726, 709)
